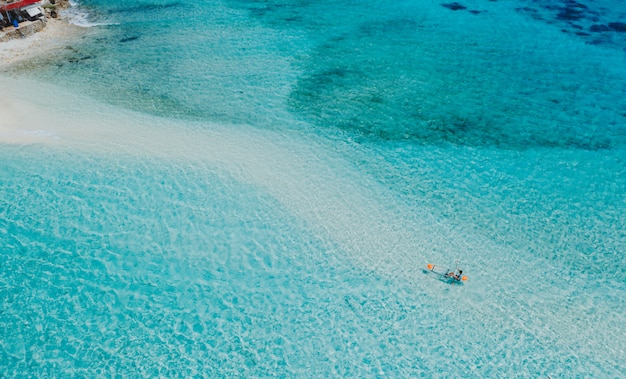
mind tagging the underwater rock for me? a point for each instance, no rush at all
(454, 6)
(574, 4)
(570, 14)
(618, 26)
(597, 28)
(128, 39)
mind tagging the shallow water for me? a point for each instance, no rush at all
(254, 189)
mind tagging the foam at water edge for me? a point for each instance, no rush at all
(79, 16)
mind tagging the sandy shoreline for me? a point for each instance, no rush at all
(21, 117)
(57, 34)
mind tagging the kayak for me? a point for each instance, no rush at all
(446, 275)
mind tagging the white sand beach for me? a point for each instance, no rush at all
(57, 34)
(21, 121)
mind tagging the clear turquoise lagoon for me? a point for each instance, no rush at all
(253, 189)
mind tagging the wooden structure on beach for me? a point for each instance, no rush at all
(13, 13)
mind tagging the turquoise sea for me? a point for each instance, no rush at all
(253, 189)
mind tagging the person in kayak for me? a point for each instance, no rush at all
(455, 275)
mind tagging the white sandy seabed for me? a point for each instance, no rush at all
(315, 184)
